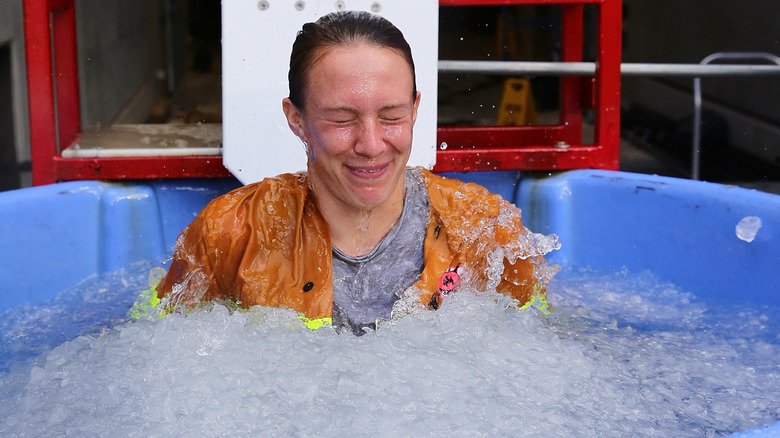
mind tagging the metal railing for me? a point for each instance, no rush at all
(732, 56)
(697, 71)
(589, 68)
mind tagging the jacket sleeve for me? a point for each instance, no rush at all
(519, 280)
(190, 278)
(520, 262)
(204, 264)
(478, 223)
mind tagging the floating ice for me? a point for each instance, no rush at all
(748, 227)
(621, 355)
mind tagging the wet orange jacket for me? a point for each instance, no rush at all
(267, 244)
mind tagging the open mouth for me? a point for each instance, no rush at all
(372, 171)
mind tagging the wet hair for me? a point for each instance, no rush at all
(341, 29)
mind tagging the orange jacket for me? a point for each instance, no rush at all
(267, 244)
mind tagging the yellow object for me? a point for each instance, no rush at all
(315, 323)
(517, 103)
(146, 303)
(538, 302)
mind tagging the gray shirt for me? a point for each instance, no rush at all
(366, 287)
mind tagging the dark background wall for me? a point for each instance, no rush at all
(14, 136)
(743, 114)
(121, 50)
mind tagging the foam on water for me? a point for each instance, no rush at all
(620, 355)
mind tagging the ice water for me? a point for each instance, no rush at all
(621, 354)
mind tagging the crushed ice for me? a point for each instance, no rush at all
(621, 355)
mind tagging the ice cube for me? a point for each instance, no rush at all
(748, 227)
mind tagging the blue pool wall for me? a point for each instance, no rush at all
(53, 237)
(683, 231)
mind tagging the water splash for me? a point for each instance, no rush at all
(622, 354)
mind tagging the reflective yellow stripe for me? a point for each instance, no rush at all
(315, 323)
(145, 306)
(538, 302)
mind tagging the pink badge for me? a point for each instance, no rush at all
(449, 281)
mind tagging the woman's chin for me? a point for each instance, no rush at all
(369, 195)
(370, 198)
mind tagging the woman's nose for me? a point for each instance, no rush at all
(370, 142)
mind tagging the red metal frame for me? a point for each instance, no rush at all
(538, 147)
(52, 75)
(53, 92)
(52, 80)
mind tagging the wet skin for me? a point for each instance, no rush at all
(357, 121)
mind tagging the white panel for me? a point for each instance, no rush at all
(257, 38)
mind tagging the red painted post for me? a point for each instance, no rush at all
(43, 135)
(63, 30)
(607, 108)
(52, 82)
(571, 88)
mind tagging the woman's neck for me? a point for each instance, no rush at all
(354, 231)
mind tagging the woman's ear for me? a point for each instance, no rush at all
(294, 118)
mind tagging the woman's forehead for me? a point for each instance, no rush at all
(356, 49)
(360, 70)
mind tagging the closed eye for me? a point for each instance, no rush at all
(394, 116)
(342, 121)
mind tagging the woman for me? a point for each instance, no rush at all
(344, 241)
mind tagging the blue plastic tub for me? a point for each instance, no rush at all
(682, 231)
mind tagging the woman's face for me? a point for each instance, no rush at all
(357, 120)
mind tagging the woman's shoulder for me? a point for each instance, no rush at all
(469, 212)
(280, 186)
(452, 194)
(282, 192)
